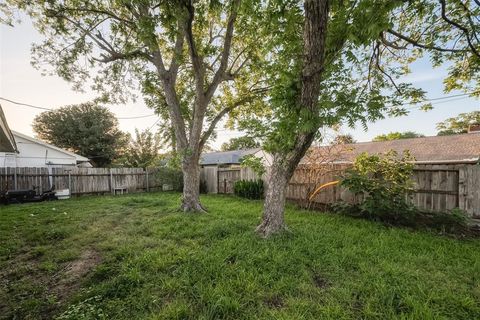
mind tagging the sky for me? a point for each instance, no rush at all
(19, 81)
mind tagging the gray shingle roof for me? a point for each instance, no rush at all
(441, 149)
(225, 157)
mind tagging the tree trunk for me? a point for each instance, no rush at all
(191, 185)
(285, 162)
(274, 206)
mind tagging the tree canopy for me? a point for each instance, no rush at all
(343, 139)
(87, 129)
(142, 151)
(398, 135)
(240, 143)
(458, 124)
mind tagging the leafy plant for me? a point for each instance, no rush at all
(250, 189)
(255, 163)
(382, 183)
(169, 176)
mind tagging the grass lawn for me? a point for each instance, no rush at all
(136, 257)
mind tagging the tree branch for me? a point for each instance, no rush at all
(415, 43)
(459, 26)
(255, 94)
(227, 44)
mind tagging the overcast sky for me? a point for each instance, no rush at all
(19, 81)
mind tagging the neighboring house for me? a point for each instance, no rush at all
(7, 141)
(453, 149)
(220, 170)
(36, 153)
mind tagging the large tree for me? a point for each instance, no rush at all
(342, 66)
(87, 129)
(458, 124)
(398, 135)
(192, 60)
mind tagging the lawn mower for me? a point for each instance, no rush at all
(27, 195)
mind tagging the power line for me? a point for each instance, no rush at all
(151, 115)
(137, 117)
(49, 109)
(25, 104)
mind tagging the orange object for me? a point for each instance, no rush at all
(328, 184)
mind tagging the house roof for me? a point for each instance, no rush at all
(79, 158)
(226, 157)
(460, 148)
(7, 141)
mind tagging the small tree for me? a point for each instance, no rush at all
(398, 135)
(240, 143)
(142, 151)
(458, 124)
(87, 129)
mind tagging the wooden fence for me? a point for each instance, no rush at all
(438, 188)
(82, 180)
(221, 180)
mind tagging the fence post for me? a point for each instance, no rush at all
(69, 182)
(146, 178)
(111, 181)
(15, 178)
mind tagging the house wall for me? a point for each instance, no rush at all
(35, 155)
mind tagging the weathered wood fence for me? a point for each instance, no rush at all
(438, 188)
(82, 180)
(222, 180)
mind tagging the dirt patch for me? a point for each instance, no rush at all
(274, 302)
(68, 280)
(320, 281)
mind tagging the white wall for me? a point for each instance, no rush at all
(35, 155)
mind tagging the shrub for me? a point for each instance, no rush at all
(382, 183)
(250, 189)
(382, 186)
(168, 176)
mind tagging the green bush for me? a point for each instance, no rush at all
(250, 189)
(383, 183)
(168, 176)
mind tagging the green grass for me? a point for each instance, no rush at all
(136, 257)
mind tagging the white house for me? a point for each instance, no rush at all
(36, 153)
(7, 142)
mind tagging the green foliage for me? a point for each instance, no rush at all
(458, 124)
(158, 263)
(398, 135)
(250, 189)
(87, 129)
(383, 182)
(240, 143)
(168, 176)
(255, 163)
(382, 186)
(143, 151)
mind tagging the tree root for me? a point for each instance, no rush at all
(266, 229)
